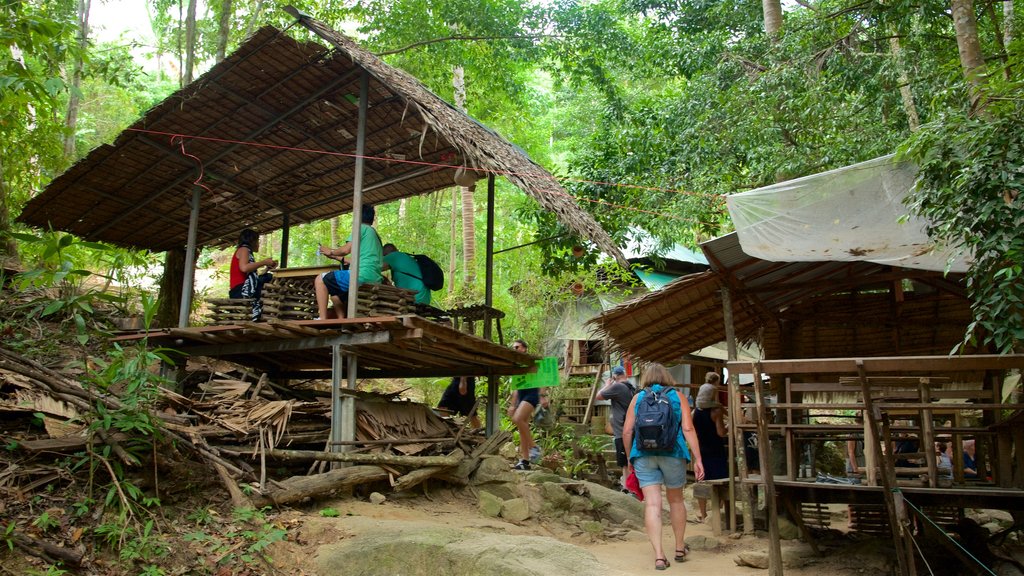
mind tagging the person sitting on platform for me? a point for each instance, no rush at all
(335, 284)
(970, 465)
(943, 464)
(405, 272)
(246, 281)
(460, 397)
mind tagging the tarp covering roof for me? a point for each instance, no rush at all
(270, 132)
(854, 213)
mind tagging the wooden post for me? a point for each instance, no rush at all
(593, 394)
(791, 456)
(764, 454)
(928, 434)
(736, 461)
(891, 495)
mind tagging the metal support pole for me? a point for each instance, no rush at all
(336, 420)
(357, 195)
(348, 403)
(189, 276)
(286, 228)
(489, 274)
(493, 409)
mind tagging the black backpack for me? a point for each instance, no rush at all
(657, 425)
(430, 273)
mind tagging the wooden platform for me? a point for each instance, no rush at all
(386, 347)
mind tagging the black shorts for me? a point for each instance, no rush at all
(620, 452)
(458, 403)
(531, 395)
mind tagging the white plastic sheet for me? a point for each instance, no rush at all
(848, 214)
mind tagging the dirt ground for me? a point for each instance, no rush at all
(629, 555)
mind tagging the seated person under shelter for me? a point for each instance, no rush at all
(245, 280)
(405, 272)
(335, 284)
(460, 397)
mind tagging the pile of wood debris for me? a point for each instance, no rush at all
(248, 434)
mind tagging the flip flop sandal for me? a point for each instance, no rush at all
(682, 554)
(661, 564)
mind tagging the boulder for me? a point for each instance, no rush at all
(492, 469)
(489, 504)
(759, 559)
(377, 498)
(421, 549)
(555, 496)
(788, 529)
(702, 543)
(515, 510)
(503, 490)
(614, 505)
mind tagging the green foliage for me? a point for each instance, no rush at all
(44, 522)
(971, 179)
(330, 513)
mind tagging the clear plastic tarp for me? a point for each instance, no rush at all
(855, 213)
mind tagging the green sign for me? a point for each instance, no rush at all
(545, 376)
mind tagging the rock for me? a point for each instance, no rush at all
(788, 529)
(493, 469)
(503, 490)
(992, 527)
(580, 503)
(753, 559)
(759, 559)
(1004, 518)
(389, 547)
(489, 504)
(555, 496)
(515, 510)
(509, 451)
(542, 476)
(702, 543)
(377, 498)
(614, 505)
(792, 558)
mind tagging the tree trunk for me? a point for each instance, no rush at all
(990, 11)
(170, 289)
(8, 247)
(257, 13)
(1007, 22)
(74, 100)
(334, 231)
(468, 224)
(971, 60)
(906, 93)
(223, 28)
(190, 42)
(453, 236)
(772, 18)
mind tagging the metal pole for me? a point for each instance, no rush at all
(336, 421)
(357, 195)
(286, 228)
(493, 413)
(489, 275)
(189, 276)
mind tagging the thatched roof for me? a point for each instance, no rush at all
(255, 131)
(794, 309)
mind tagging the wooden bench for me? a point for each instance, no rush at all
(293, 299)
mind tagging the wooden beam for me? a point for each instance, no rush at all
(885, 364)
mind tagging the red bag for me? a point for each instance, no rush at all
(633, 485)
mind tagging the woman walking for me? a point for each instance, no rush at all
(660, 463)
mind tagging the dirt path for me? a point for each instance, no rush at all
(628, 556)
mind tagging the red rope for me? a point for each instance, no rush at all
(180, 139)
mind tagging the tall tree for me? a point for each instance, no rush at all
(190, 43)
(223, 29)
(74, 100)
(772, 18)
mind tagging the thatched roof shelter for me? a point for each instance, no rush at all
(794, 309)
(270, 133)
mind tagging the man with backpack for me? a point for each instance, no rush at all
(659, 434)
(619, 390)
(405, 272)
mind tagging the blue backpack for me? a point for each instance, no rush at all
(657, 425)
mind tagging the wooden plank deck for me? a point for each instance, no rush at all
(386, 347)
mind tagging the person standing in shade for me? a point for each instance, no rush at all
(333, 286)
(405, 272)
(460, 397)
(245, 280)
(619, 391)
(656, 469)
(709, 422)
(522, 403)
